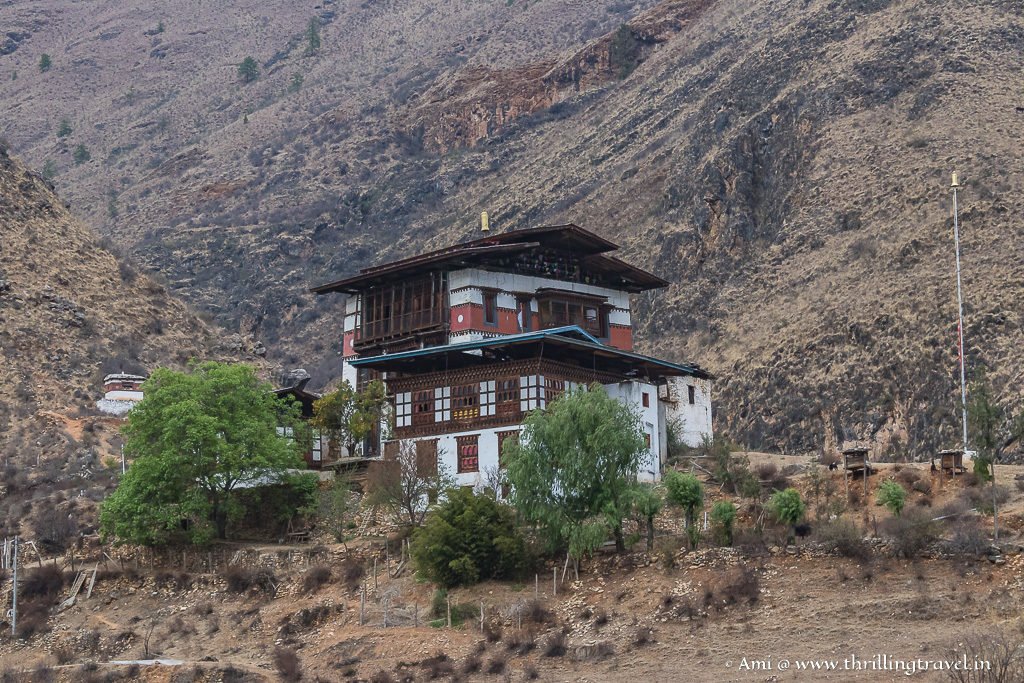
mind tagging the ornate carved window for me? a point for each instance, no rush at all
(507, 396)
(423, 407)
(468, 448)
(466, 401)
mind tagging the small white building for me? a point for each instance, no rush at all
(121, 393)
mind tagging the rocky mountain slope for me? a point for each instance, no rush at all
(70, 311)
(785, 165)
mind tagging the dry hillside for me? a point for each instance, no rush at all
(269, 612)
(70, 311)
(784, 165)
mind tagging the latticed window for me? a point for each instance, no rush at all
(487, 398)
(423, 407)
(529, 392)
(468, 448)
(403, 409)
(507, 396)
(465, 401)
(553, 388)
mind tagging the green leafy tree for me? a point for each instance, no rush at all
(469, 538)
(160, 27)
(81, 154)
(313, 36)
(196, 438)
(64, 128)
(348, 416)
(248, 70)
(788, 508)
(575, 464)
(892, 496)
(295, 85)
(623, 52)
(723, 519)
(406, 485)
(45, 62)
(647, 503)
(686, 491)
(49, 169)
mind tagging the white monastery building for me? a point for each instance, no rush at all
(471, 338)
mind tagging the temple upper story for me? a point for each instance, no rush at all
(502, 284)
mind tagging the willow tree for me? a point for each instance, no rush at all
(573, 469)
(196, 438)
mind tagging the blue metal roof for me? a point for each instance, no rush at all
(572, 335)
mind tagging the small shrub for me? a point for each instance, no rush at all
(530, 672)
(666, 550)
(497, 665)
(723, 519)
(536, 613)
(287, 663)
(908, 475)
(241, 579)
(892, 496)
(520, 643)
(1002, 648)
(643, 636)
(45, 582)
(968, 538)
(492, 632)
(438, 666)
(556, 645)
(734, 587)
(316, 578)
(842, 536)
(353, 575)
(382, 676)
(922, 486)
(911, 532)
(439, 603)
(472, 664)
(469, 538)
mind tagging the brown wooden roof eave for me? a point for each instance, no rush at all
(396, 270)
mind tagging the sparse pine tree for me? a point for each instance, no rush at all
(64, 128)
(248, 70)
(45, 62)
(81, 154)
(49, 169)
(160, 27)
(313, 36)
(296, 83)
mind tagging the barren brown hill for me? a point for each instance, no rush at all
(70, 312)
(785, 165)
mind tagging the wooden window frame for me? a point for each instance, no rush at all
(467, 453)
(490, 308)
(465, 401)
(423, 407)
(691, 392)
(645, 399)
